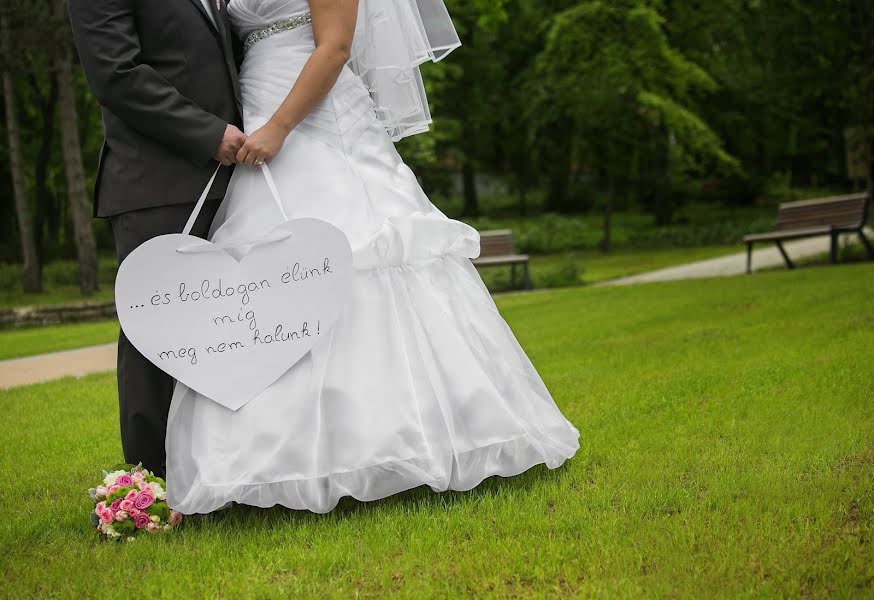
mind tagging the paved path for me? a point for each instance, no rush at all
(45, 367)
(764, 256)
(96, 359)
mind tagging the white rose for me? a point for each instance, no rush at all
(157, 491)
(111, 477)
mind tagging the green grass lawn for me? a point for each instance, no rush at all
(16, 343)
(727, 451)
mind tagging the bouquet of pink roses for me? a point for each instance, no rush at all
(129, 501)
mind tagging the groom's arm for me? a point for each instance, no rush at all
(109, 49)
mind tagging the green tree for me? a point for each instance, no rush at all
(77, 195)
(472, 94)
(782, 68)
(31, 272)
(38, 60)
(611, 75)
(858, 93)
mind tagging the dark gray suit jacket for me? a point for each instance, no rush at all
(166, 81)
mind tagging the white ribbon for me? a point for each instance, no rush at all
(209, 247)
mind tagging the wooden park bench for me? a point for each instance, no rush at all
(497, 249)
(812, 218)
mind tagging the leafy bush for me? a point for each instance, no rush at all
(545, 234)
(66, 272)
(717, 233)
(568, 272)
(10, 276)
(735, 190)
(551, 233)
(61, 273)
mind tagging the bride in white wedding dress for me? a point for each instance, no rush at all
(420, 382)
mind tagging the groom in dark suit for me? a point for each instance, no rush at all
(165, 77)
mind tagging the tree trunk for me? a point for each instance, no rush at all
(31, 276)
(869, 183)
(522, 194)
(86, 248)
(558, 165)
(606, 242)
(471, 199)
(48, 213)
(558, 169)
(665, 198)
(557, 192)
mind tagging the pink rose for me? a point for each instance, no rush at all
(126, 504)
(144, 500)
(112, 489)
(137, 477)
(175, 518)
(143, 486)
(121, 516)
(106, 516)
(124, 480)
(141, 520)
(132, 495)
(101, 506)
(152, 527)
(115, 504)
(101, 492)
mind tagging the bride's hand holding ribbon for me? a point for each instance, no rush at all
(262, 145)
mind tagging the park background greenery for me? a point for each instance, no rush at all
(628, 126)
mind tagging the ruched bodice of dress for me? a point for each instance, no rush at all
(248, 16)
(271, 65)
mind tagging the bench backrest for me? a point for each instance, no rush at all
(840, 211)
(497, 242)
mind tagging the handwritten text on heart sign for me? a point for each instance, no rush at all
(206, 292)
(227, 321)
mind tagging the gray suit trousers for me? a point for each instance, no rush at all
(144, 390)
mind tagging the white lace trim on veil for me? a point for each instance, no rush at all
(392, 38)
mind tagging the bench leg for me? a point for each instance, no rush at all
(833, 249)
(789, 264)
(867, 244)
(749, 258)
(513, 276)
(527, 276)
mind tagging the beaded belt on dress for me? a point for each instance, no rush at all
(279, 26)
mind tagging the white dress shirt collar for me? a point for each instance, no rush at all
(209, 11)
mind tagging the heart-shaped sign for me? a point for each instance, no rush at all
(229, 329)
